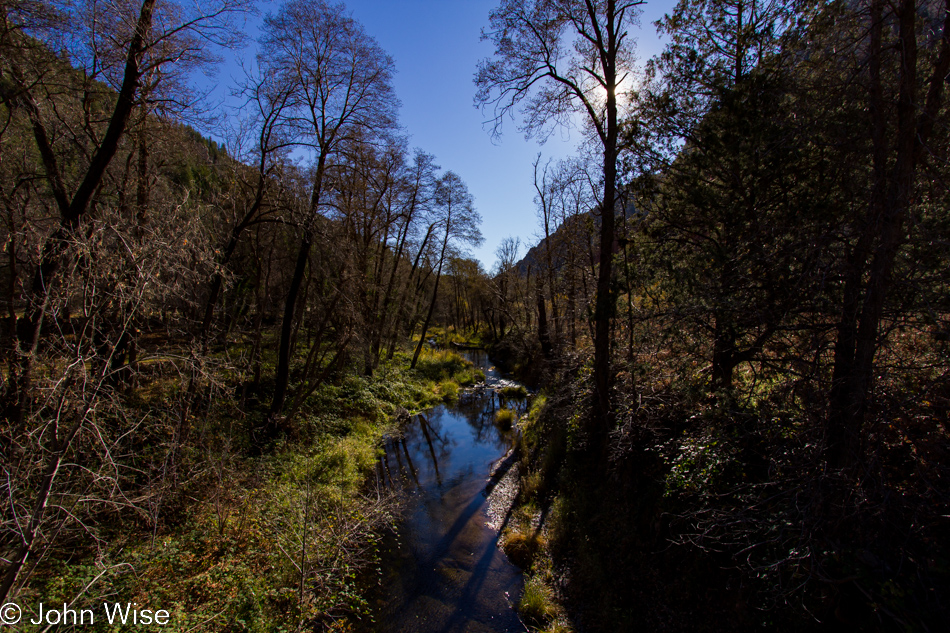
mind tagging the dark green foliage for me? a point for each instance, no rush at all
(718, 503)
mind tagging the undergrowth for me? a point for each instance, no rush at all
(225, 541)
(713, 512)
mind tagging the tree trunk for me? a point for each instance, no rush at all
(72, 211)
(604, 302)
(724, 354)
(435, 294)
(544, 336)
(285, 348)
(892, 198)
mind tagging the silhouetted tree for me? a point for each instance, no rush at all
(558, 59)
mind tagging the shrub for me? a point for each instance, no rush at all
(532, 431)
(558, 626)
(532, 485)
(442, 364)
(449, 391)
(522, 545)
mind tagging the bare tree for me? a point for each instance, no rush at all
(267, 101)
(341, 86)
(418, 187)
(459, 221)
(558, 58)
(87, 261)
(505, 275)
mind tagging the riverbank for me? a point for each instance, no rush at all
(711, 514)
(226, 541)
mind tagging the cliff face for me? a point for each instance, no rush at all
(578, 233)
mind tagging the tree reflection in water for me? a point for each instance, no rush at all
(445, 572)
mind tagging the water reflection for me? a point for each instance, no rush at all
(445, 572)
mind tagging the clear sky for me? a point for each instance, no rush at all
(436, 47)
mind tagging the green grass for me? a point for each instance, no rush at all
(532, 431)
(230, 561)
(449, 390)
(442, 365)
(522, 543)
(225, 551)
(505, 418)
(514, 392)
(537, 604)
(448, 335)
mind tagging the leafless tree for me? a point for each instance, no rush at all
(341, 89)
(557, 59)
(87, 261)
(459, 223)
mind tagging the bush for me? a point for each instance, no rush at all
(449, 391)
(532, 485)
(558, 626)
(521, 544)
(532, 431)
(439, 365)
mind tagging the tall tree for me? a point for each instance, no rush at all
(416, 194)
(265, 101)
(729, 197)
(906, 72)
(342, 88)
(77, 144)
(459, 221)
(505, 276)
(713, 46)
(558, 58)
(546, 187)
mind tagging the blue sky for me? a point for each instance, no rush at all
(436, 46)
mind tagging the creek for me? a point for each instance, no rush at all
(444, 571)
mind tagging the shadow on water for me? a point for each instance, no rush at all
(444, 571)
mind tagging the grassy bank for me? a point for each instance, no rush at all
(226, 541)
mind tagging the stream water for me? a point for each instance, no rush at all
(444, 571)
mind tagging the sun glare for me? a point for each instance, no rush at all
(598, 93)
